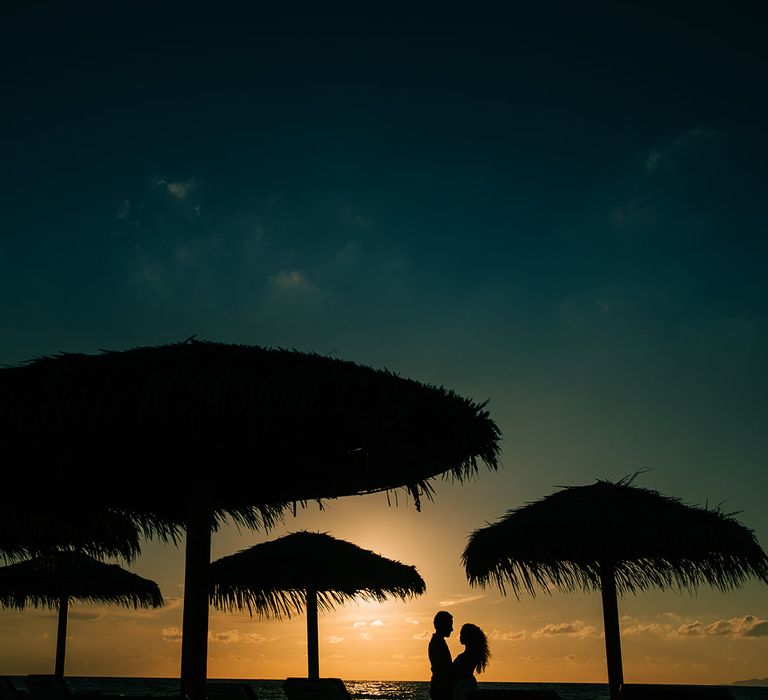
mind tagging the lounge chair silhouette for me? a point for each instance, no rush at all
(46, 684)
(315, 689)
(229, 691)
(8, 687)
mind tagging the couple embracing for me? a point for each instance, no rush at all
(453, 679)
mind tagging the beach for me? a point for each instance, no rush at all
(271, 689)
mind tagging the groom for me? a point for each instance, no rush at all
(440, 657)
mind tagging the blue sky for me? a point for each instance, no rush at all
(557, 208)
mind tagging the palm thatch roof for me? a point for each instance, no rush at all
(307, 570)
(26, 531)
(53, 579)
(196, 431)
(271, 579)
(44, 580)
(650, 540)
(287, 426)
(615, 538)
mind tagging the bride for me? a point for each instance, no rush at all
(475, 657)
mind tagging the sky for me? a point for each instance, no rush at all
(556, 207)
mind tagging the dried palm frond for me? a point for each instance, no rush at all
(271, 579)
(253, 430)
(44, 580)
(650, 540)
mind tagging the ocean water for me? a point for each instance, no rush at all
(359, 690)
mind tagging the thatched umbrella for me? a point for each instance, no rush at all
(30, 529)
(217, 430)
(617, 538)
(307, 570)
(52, 580)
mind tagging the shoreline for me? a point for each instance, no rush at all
(142, 687)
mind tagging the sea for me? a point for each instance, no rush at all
(359, 690)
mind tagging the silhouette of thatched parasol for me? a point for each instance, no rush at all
(307, 570)
(52, 580)
(226, 430)
(30, 529)
(616, 538)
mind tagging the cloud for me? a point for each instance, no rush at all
(288, 280)
(123, 210)
(334, 639)
(178, 189)
(235, 636)
(758, 629)
(670, 615)
(421, 636)
(377, 623)
(638, 628)
(412, 621)
(661, 157)
(359, 624)
(746, 626)
(459, 601)
(654, 160)
(498, 635)
(366, 637)
(571, 629)
(293, 286)
(171, 634)
(691, 629)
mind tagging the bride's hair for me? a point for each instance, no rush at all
(476, 644)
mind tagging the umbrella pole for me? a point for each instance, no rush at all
(194, 638)
(313, 653)
(61, 636)
(611, 627)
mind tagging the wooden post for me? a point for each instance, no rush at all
(611, 628)
(194, 633)
(313, 651)
(61, 636)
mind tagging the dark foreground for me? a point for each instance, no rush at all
(103, 688)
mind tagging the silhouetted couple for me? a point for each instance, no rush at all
(453, 679)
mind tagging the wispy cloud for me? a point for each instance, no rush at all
(659, 157)
(334, 639)
(508, 636)
(637, 629)
(179, 189)
(460, 600)
(233, 636)
(124, 209)
(421, 636)
(577, 628)
(412, 621)
(746, 626)
(289, 281)
(171, 634)
(293, 289)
